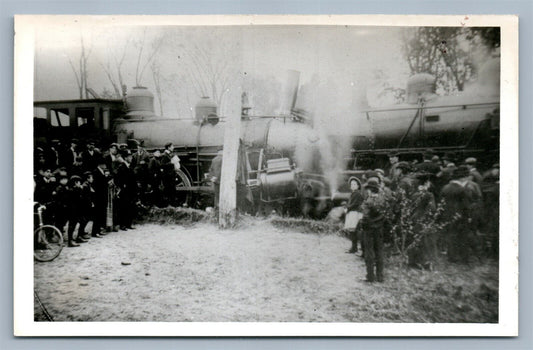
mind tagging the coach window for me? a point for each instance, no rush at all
(59, 117)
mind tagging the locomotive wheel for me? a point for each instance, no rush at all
(183, 198)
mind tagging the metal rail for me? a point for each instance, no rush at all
(463, 105)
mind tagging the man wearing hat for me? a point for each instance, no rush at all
(422, 253)
(461, 197)
(72, 158)
(393, 160)
(428, 166)
(75, 208)
(373, 225)
(111, 159)
(139, 164)
(168, 173)
(471, 165)
(89, 156)
(126, 192)
(353, 212)
(155, 178)
(491, 201)
(101, 194)
(87, 204)
(402, 180)
(60, 198)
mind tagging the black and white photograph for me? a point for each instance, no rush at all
(266, 175)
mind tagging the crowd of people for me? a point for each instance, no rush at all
(79, 183)
(419, 208)
(423, 208)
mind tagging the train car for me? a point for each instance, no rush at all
(466, 123)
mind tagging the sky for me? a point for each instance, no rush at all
(338, 62)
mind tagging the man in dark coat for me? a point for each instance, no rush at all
(373, 225)
(393, 161)
(155, 178)
(72, 159)
(422, 245)
(100, 186)
(60, 203)
(75, 211)
(90, 156)
(461, 197)
(87, 205)
(215, 171)
(402, 178)
(139, 164)
(474, 173)
(126, 192)
(168, 174)
(427, 165)
(111, 160)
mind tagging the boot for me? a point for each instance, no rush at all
(73, 244)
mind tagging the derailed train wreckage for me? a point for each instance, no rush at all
(281, 158)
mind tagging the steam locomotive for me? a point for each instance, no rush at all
(282, 163)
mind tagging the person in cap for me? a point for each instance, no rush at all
(75, 211)
(427, 165)
(139, 164)
(111, 159)
(371, 175)
(87, 204)
(353, 212)
(89, 156)
(461, 215)
(373, 225)
(100, 184)
(474, 173)
(393, 160)
(491, 204)
(44, 186)
(155, 176)
(60, 198)
(423, 250)
(71, 158)
(168, 174)
(402, 179)
(126, 192)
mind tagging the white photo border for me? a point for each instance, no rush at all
(24, 324)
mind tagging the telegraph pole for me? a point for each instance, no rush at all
(230, 158)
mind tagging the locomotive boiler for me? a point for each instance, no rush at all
(278, 161)
(466, 123)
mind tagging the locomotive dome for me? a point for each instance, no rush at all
(140, 103)
(420, 85)
(204, 108)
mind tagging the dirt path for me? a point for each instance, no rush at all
(173, 273)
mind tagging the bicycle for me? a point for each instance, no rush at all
(48, 239)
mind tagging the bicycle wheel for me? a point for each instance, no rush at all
(49, 243)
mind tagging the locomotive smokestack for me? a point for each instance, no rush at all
(290, 92)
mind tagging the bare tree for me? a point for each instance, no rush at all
(113, 70)
(81, 72)
(141, 66)
(209, 65)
